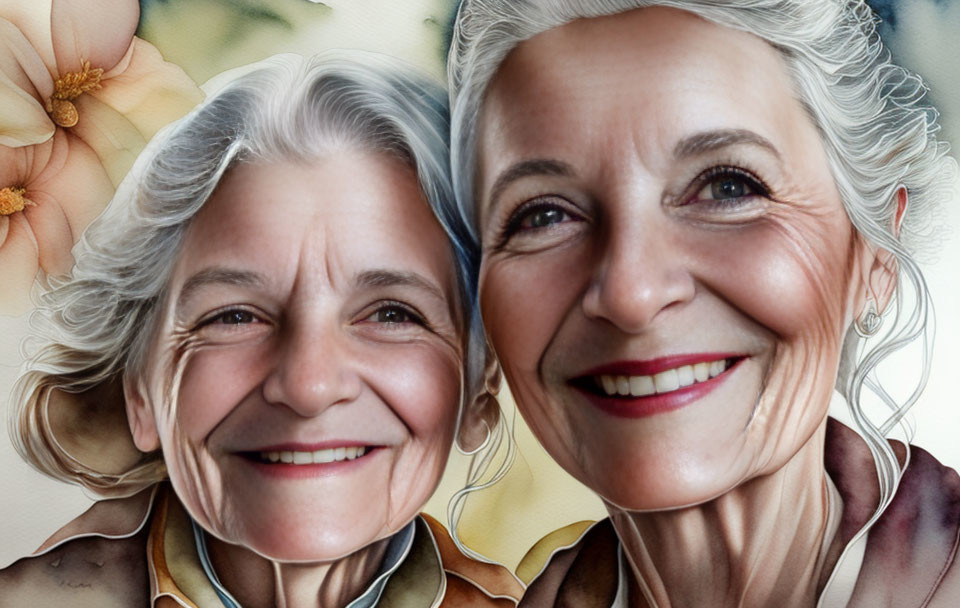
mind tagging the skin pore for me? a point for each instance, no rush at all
(313, 308)
(652, 196)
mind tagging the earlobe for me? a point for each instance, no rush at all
(143, 427)
(482, 413)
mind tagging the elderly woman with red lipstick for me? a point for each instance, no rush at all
(259, 358)
(697, 219)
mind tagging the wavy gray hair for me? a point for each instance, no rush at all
(878, 133)
(95, 324)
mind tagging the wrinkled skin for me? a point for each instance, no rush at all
(649, 186)
(311, 303)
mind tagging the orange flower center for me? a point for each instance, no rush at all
(12, 200)
(67, 88)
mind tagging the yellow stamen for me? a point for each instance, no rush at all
(67, 88)
(12, 200)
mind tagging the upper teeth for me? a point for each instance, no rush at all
(664, 382)
(315, 457)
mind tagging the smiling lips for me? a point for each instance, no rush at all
(313, 457)
(635, 389)
(299, 461)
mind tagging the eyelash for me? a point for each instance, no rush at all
(712, 174)
(413, 315)
(757, 186)
(512, 224)
(220, 314)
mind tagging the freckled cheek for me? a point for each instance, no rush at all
(524, 302)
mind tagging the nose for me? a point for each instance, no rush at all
(640, 272)
(313, 370)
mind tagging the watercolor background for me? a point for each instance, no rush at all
(206, 37)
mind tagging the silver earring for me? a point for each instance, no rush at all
(868, 323)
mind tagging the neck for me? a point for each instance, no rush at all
(257, 581)
(769, 542)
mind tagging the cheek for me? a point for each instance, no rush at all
(790, 276)
(524, 301)
(214, 382)
(421, 384)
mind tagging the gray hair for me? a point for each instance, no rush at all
(878, 133)
(95, 324)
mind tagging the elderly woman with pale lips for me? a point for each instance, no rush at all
(273, 315)
(696, 220)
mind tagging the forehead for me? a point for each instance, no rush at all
(340, 213)
(656, 73)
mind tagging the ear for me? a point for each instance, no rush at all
(880, 276)
(482, 411)
(143, 426)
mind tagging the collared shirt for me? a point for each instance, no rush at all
(125, 551)
(397, 549)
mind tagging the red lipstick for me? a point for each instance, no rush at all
(628, 406)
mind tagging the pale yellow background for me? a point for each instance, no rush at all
(536, 497)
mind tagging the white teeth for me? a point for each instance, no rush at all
(324, 456)
(641, 386)
(685, 375)
(664, 382)
(315, 457)
(717, 367)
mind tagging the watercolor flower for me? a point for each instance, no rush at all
(80, 96)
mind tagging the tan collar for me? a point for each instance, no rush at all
(177, 577)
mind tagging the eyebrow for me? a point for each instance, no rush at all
(214, 276)
(526, 168)
(708, 141)
(390, 278)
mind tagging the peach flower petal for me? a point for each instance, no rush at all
(21, 63)
(92, 30)
(51, 229)
(32, 17)
(19, 166)
(18, 265)
(75, 181)
(24, 81)
(149, 91)
(114, 139)
(23, 121)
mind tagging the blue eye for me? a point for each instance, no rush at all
(728, 183)
(729, 188)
